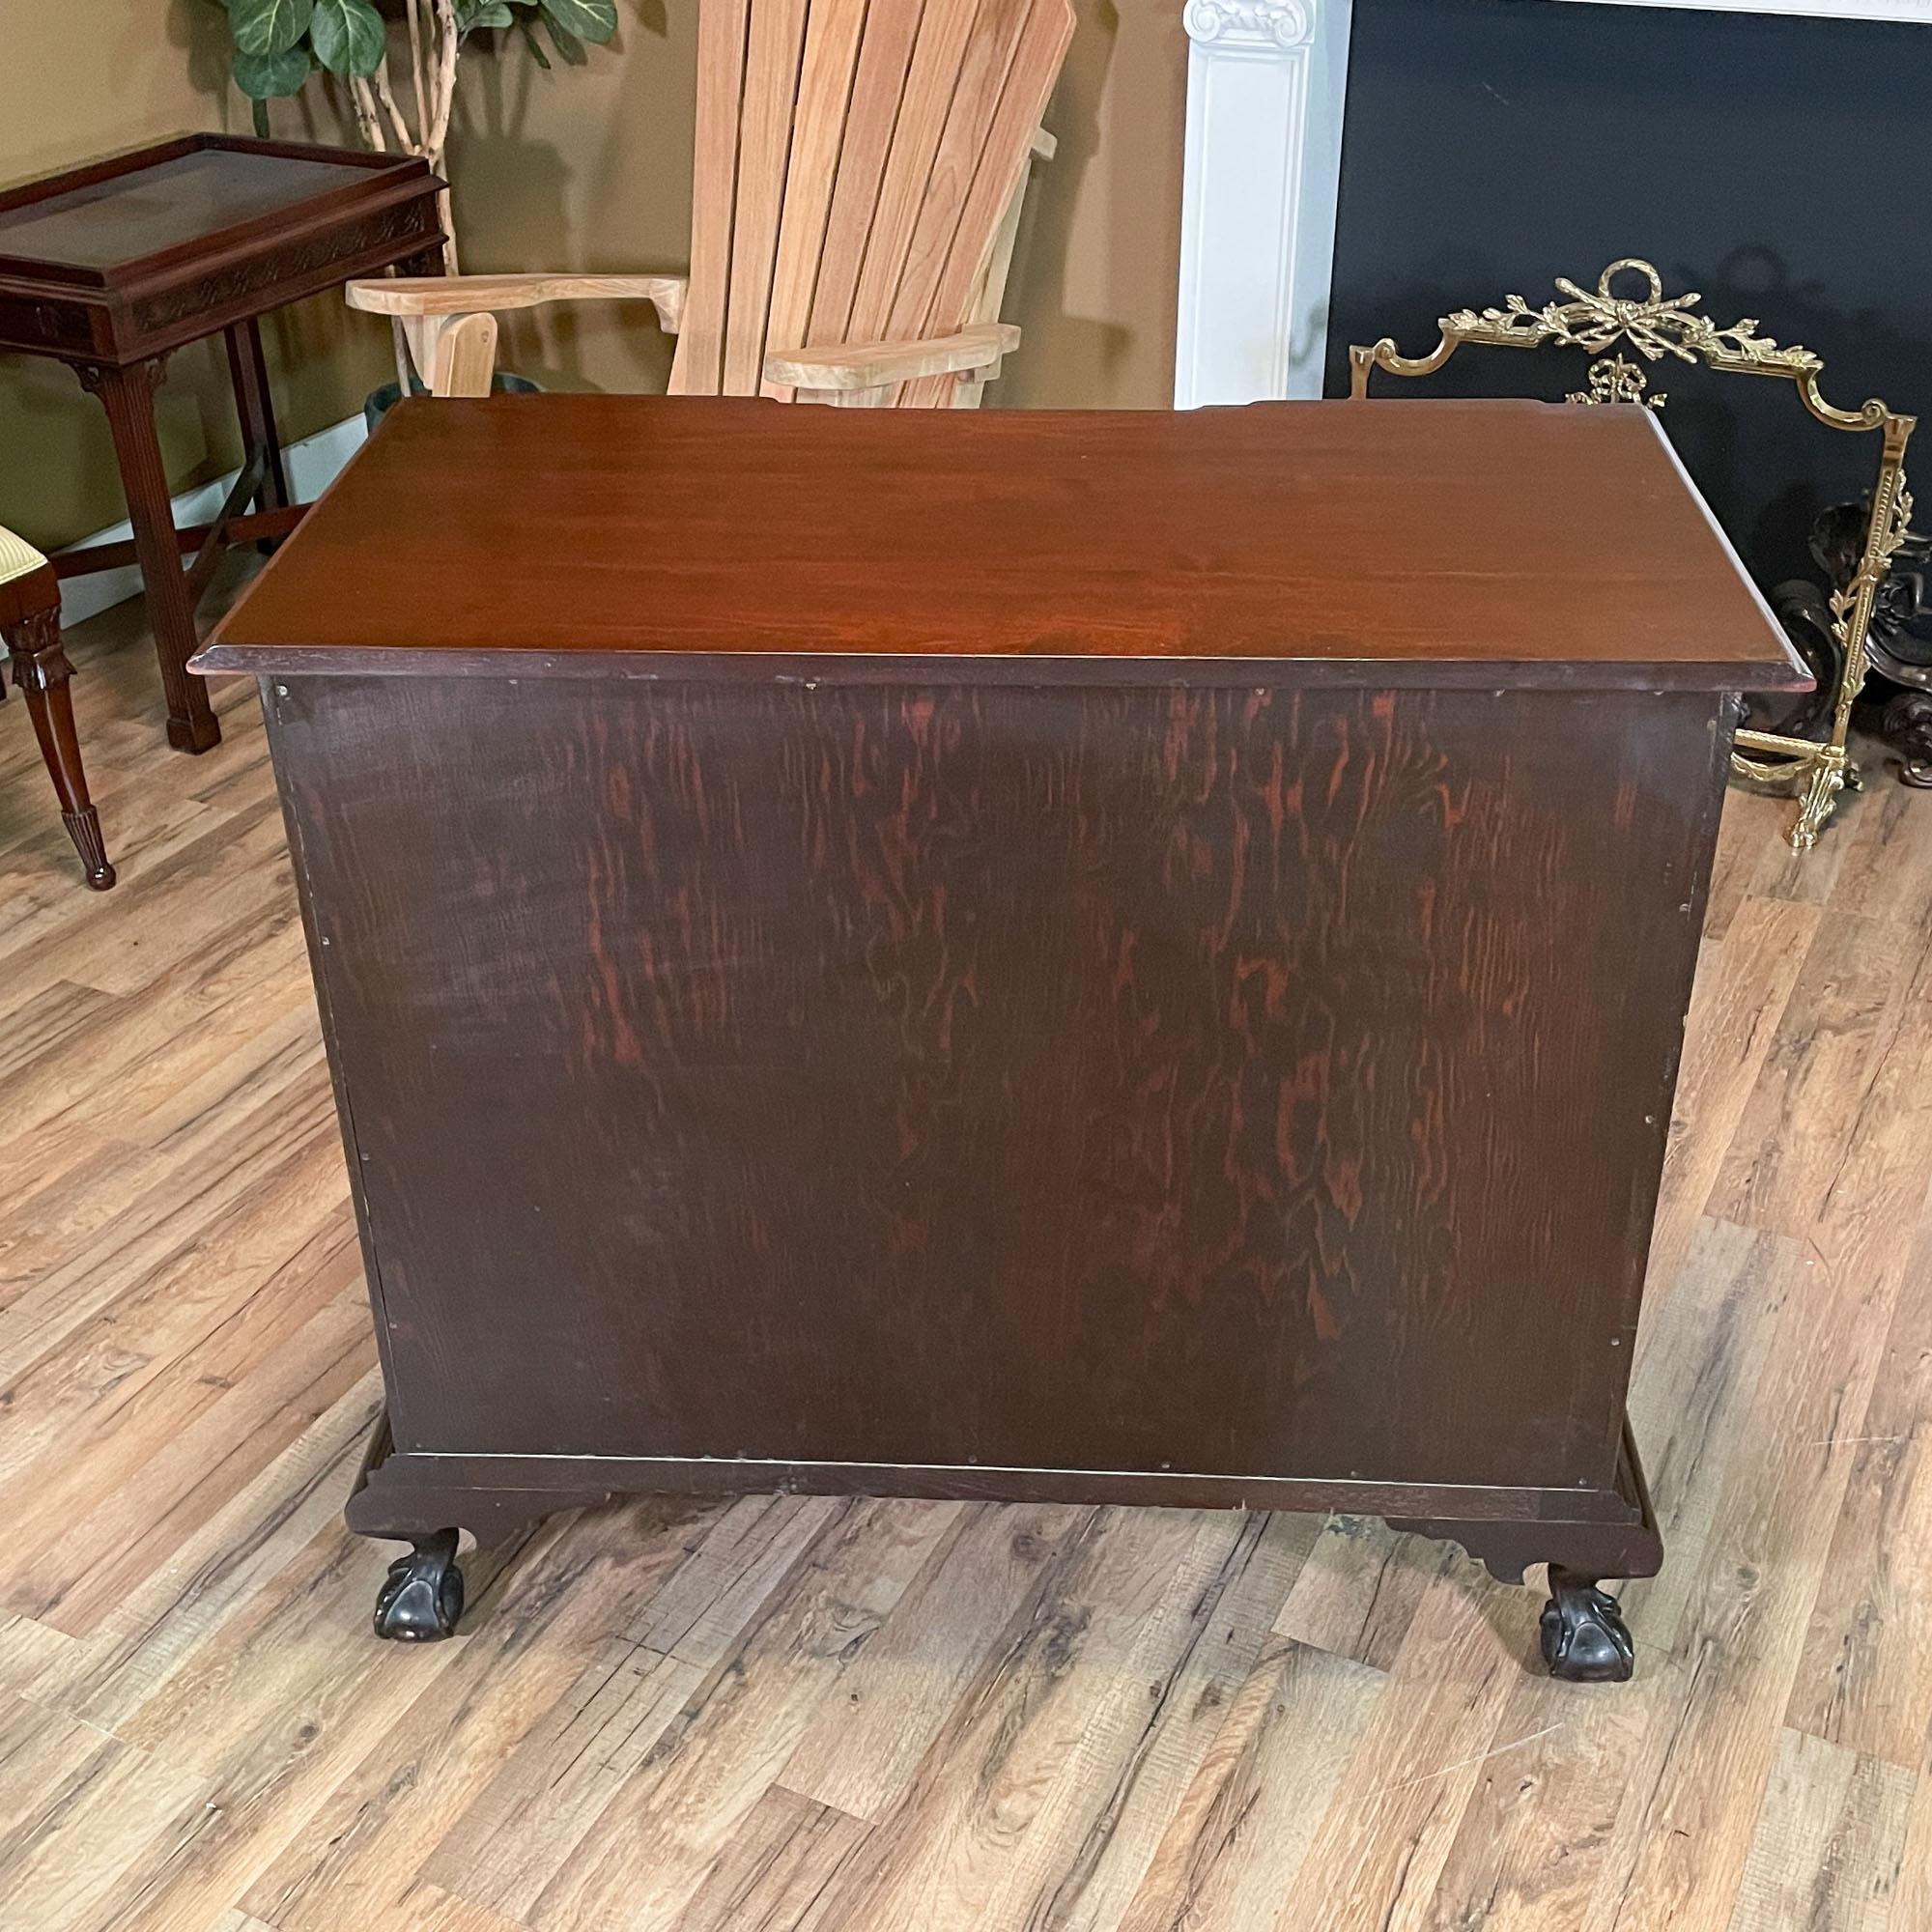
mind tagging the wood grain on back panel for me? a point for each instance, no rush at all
(1218, 1081)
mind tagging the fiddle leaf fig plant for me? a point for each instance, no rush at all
(396, 63)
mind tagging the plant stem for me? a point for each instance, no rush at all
(379, 82)
(449, 44)
(368, 121)
(416, 62)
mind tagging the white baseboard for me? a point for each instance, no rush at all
(313, 463)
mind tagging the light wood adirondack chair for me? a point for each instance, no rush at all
(860, 168)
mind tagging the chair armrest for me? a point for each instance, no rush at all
(866, 365)
(468, 295)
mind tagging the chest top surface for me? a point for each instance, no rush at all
(1398, 542)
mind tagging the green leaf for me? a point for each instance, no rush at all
(264, 27)
(272, 77)
(570, 50)
(534, 44)
(594, 21)
(349, 36)
(474, 14)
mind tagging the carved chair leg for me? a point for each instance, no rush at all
(41, 674)
(1584, 1637)
(421, 1599)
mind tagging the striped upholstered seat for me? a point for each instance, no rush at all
(17, 556)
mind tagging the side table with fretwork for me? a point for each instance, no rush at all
(111, 267)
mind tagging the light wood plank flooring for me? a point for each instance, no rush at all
(849, 1717)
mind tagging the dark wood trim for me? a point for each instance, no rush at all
(259, 526)
(255, 410)
(404, 1492)
(862, 670)
(247, 485)
(1629, 1547)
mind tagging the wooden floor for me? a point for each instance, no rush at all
(859, 1717)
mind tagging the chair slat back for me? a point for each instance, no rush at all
(697, 365)
(858, 164)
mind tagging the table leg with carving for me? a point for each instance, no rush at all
(128, 395)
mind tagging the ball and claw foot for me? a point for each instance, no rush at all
(1585, 1640)
(422, 1598)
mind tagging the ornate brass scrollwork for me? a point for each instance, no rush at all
(1656, 326)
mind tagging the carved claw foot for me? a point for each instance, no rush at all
(1585, 1640)
(422, 1598)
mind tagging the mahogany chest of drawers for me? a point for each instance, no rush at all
(1036, 955)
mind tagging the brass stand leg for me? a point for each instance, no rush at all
(41, 674)
(1821, 789)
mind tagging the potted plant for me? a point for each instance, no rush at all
(397, 68)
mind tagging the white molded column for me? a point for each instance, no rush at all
(1266, 81)
(1266, 84)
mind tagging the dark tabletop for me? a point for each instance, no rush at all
(1468, 542)
(117, 219)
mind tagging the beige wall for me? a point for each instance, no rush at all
(587, 168)
(1095, 290)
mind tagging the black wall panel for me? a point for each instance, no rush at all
(1782, 166)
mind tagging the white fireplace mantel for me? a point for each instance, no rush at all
(1265, 86)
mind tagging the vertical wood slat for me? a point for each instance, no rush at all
(857, 167)
(773, 51)
(878, 89)
(984, 70)
(932, 81)
(722, 33)
(832, 36)
(989, 296)
(1004, 164)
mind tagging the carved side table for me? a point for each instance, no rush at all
(111, 267)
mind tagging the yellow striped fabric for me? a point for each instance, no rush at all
(17, 556)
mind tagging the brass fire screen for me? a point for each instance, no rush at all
(1655, 325)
